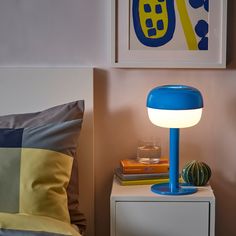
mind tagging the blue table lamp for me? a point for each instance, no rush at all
(174, 107)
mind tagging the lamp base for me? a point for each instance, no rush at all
(164, 189)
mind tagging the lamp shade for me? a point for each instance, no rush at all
(174, 106)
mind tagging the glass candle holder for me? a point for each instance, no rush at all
(149, 151)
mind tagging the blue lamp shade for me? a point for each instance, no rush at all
(174, 106)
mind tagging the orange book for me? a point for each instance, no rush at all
(132, 166)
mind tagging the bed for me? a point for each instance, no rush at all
(31, 91)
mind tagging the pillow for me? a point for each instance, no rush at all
(38, 165)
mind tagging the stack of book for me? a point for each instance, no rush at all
(132, 172)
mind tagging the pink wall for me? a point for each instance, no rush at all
(61, 33)
(121, 119)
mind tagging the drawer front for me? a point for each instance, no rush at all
(162, 219)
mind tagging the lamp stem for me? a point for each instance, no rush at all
(174, 159)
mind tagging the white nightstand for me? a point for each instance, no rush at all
(136, 211)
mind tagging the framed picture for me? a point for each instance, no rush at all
(168, 33)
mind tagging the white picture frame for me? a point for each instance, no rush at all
(123, 56)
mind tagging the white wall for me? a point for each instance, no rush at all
(52, 32)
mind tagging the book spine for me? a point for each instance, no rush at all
(145, 169)
(142, 176)
(144, 182)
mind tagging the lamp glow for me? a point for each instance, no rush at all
(174, 107)
(174, 118)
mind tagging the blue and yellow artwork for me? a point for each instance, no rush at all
(170, 24)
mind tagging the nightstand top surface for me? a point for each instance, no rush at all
(144, 193)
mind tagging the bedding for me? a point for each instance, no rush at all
(29, 225)
(38, 170)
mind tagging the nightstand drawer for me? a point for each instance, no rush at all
(137, 211)
(162, 218)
